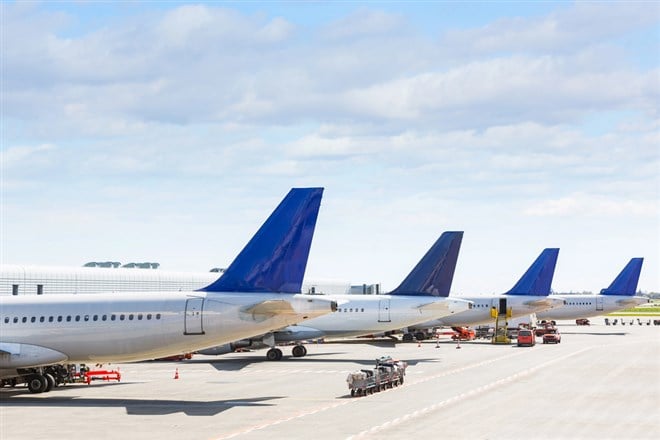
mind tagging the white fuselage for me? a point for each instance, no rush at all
(480, 313)
(123, 327)
(585, 306)
(359, 315)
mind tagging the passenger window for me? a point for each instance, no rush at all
(148, 315)
(77, 318)
(7, 320)
(104, 318)
(130, 317)
(51, 318)
(140, 317)
(112, 317)
(68, 318)
(122, 317)
(33, 319)
(86, 318)
(42, 319)
(157, 315)
(59, 318)
(24, 319)
(15, 319)
(95, 318)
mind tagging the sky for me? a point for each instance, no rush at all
(169, 131)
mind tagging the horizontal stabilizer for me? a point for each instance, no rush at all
(434, 273)
(626, 282)
(276, 257)
(538, 278)
(271, 308)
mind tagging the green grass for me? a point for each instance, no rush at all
(639, 311)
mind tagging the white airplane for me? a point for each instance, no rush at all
(257, 293)
(420, 297)
(529, 295)
(618, 296)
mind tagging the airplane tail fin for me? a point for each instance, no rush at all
(274, 260)
(626, 282)
(435, 271)
(538, 278)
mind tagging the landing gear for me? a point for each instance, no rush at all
(407, 337)
(37, 383)
(50, 382)
(274, 354)
(299, 351)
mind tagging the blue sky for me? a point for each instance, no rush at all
(168, 131)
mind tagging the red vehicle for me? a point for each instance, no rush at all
(552, 336)
(582, 321)
(463, 334)
(526, 337)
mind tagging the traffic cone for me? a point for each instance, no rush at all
(458, 343)
(176, 374)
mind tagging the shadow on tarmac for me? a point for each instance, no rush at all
(133, 406)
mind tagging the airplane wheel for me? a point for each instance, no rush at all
(299, 351)
(408, 337)
(274, 354)
(50, 382)
(37, 383)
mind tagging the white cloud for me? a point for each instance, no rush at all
(589, 205)
(195, 119)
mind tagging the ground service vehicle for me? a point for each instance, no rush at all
(545, 327)
(526, 337)
(552, 336)
(463, 334)
(388, 373)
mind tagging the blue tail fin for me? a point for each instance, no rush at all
(626, 282)
(276, 257)
(435, 271)
(538, 278)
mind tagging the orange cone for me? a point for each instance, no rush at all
(176, 374)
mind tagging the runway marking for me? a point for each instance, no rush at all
(421, 412)
(287, 419)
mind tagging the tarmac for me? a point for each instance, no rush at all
(600, 382)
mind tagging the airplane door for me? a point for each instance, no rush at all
(599, 303)
(384, 310)
(193, 317)
(502, 307)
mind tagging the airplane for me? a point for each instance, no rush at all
(529, 295)
(258, 292)
(619, 295)
(423, 295)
